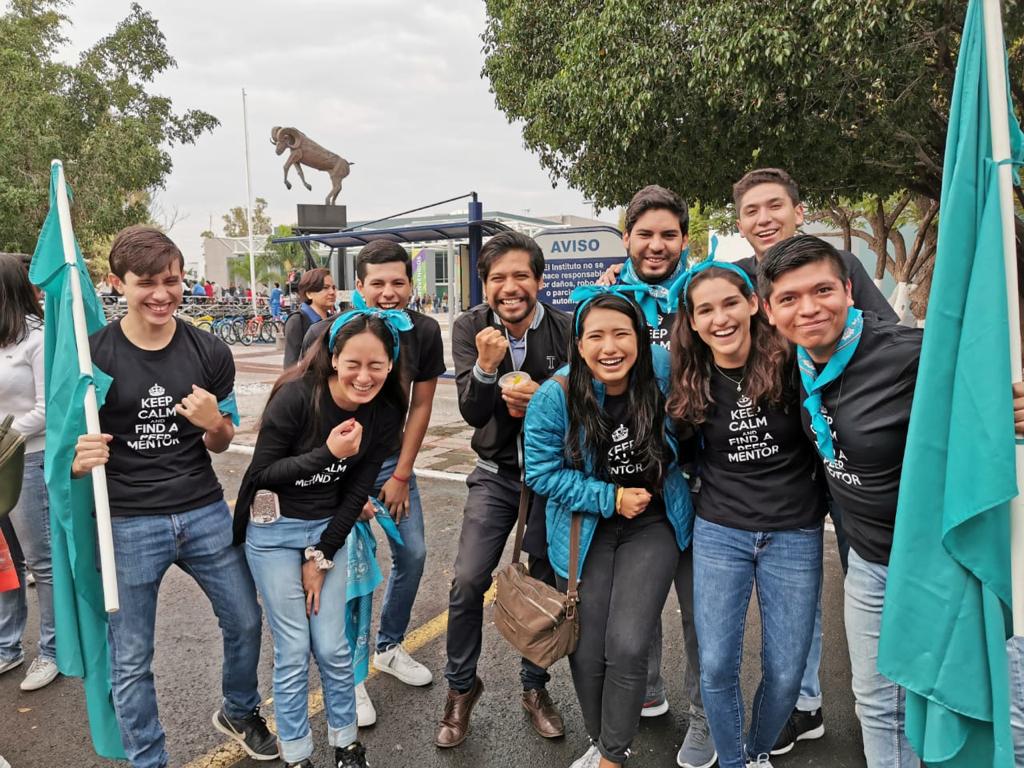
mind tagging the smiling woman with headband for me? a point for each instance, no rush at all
(759, 503)
(322, 440)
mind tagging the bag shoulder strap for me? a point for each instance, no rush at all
(525, 494)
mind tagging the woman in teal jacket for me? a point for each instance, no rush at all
(602, 447)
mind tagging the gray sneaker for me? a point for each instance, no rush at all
(698, 750)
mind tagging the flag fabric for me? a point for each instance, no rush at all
(946, 617)
(80, 617)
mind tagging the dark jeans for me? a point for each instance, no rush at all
(691, 672)
(625, 581)
(492, 505)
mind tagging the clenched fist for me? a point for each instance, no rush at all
(491, 346)
(634, 501)
(200, 408)
(345, 438)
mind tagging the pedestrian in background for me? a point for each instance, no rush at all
(28, 527)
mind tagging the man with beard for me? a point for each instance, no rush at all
(511, 331)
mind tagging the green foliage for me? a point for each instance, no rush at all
(236, 224)
(851, 98)
(96, 115)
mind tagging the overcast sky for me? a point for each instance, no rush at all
(392, 85)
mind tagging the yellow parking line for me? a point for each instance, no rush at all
(229, 753)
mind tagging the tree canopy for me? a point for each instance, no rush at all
(851, 98)
(97, 115)
(236, 223)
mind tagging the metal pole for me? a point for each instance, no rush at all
(248, 204)
(475, 213)
(104, 531)
(451, 283)
(999, 117)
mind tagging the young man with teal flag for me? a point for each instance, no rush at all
(81, 620)
(946, 616)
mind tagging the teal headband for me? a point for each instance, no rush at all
(584, 294)
(682, 285)
(395, 320)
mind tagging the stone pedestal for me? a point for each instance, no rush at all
(322, 218)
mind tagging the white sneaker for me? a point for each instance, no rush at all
(41, 672)
(590, 759)
(4, 763)
(365, 712)
(761, 762)
(397, 662)
(7, 666)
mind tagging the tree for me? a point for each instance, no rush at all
(236, 223)
(851, 98)
(96, 115)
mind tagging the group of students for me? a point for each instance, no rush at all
(702, 420)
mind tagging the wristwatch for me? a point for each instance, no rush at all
(322, 563)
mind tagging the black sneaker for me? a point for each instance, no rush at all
(352, 756)
(801, 726)
(250, 732)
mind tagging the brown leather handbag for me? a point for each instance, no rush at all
(538, 620)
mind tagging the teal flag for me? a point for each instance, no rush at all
(81, 620)
(946, 616)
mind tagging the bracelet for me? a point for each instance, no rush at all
(322, 563)
(395, 476)
(618, 497)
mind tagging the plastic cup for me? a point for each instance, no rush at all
(514, 380)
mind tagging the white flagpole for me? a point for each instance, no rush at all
(104, 532)
(999, 117)
(248, 205)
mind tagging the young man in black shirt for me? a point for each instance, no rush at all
(858, 375)
(171, 402)
(384, 279)
(512, 331)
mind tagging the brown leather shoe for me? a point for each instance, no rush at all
(544, 716)
(457, 708)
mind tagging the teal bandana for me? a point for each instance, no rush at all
(396, 321)
(584, 294)
(677, 293)
(657, 296)
(814, 382)
(363, 578)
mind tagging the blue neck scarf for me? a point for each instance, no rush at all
(814, 382)
(584, 294)
(657, 296)
(396, 321)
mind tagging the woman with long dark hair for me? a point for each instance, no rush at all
(601, 447)
(324, 434)
(759, 506)
(21, 395)
(317, 295)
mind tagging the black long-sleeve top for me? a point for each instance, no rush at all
(292, 460)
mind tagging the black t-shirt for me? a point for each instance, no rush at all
(624, 469)
(158, 462)
(662, 335)
(292, 459)
(757, 470)
(868, 407)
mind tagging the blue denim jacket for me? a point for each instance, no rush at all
(569, 490)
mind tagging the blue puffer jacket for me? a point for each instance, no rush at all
(570, 490)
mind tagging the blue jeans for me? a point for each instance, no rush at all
(145, 547)
(275, 554)
(1015, 656)
(407, 560)
(881, 704)
(30, 520)
(786, 568)
(810, 686)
